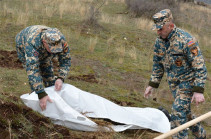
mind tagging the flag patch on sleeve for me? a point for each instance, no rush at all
(65, 47)
(191, 43)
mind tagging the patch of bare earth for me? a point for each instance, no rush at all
(16, 118)
(11, 121)
(9, 59)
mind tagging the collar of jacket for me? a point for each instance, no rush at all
(172, 34)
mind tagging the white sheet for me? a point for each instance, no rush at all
(70, 102)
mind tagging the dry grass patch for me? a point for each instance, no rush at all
(22, 19)
(121, 52)
(197, 16)
(67, 34)
(185, 6)
(92, 44)
(133, 53)
(119, 1)
(49, 11)
(206, 41)
(62, 7)
(5, 9)
(119, 19)
(74, 8)
(144, 23)
(110, 42)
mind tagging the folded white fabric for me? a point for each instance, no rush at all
(71, 107)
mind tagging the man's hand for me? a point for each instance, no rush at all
(198, 97)
(148, 91)
(43, 102)
(58, 84)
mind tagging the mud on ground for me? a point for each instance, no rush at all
(9, 59)
(16, 120)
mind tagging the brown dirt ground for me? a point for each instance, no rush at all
(9, 59)
(10, 123)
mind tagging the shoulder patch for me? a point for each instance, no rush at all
(178, 62)
(194, 51)
(191, 43)
(65, 44)
(65, 47)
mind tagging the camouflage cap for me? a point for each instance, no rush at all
(161, 18)
(53, 38)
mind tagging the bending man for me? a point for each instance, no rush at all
(36, 47)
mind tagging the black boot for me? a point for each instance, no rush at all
(165, 112)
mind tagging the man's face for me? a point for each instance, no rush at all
(164, 31)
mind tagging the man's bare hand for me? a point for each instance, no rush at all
(43, 102)
(148, 91)
(58, 84)
(198, 97)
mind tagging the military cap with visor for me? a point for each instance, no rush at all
(52, 36)
(161, 18)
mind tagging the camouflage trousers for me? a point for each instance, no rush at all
(181, 110)
(45, 67)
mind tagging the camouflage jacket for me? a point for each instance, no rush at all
(180, 57)
(35, 54)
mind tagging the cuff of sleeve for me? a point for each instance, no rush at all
(198, 89)
(60, 78)
(153, 84)
(41, 95)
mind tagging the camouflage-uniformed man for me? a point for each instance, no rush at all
(177, 53)
(36, 47)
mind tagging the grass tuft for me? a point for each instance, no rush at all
(111, 49)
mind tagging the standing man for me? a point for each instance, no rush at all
(36, 47)
(177, 53)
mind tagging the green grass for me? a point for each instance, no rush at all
(121, 82)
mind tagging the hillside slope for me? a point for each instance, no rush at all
(111, 54)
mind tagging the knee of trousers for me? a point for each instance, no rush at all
(182, 102)
(179, 113)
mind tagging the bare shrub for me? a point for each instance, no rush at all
(93, 14)
(186, 0)
(147, 8)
